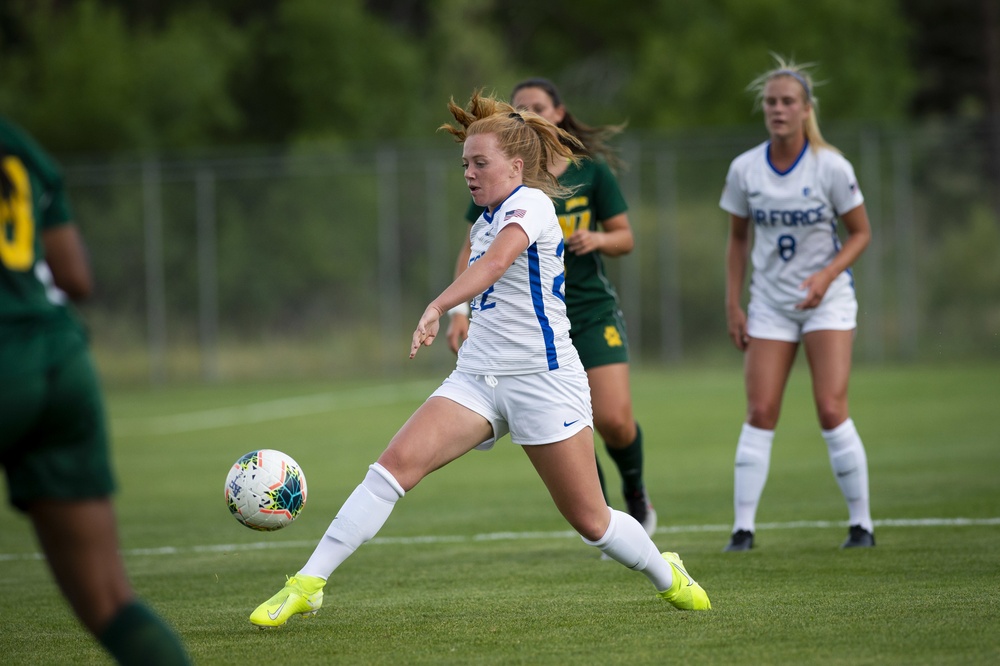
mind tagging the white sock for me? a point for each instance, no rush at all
(359, 519)
(626, 542)
(850, 467)
(753, 459)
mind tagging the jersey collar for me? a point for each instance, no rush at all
(488, 216)
(798, 159)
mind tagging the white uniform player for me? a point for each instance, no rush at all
(519, 368)
(794, 218)
(793, 191)
(517, 372)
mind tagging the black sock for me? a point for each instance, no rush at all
(629, 462)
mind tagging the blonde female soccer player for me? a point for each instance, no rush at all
(792, 190)
(518, 371)
(595, 224)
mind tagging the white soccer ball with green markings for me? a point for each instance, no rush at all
(265, 490)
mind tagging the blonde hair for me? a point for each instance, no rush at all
(521, 134)
(799, 72)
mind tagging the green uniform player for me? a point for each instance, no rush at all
(53, 442)
(53, 434)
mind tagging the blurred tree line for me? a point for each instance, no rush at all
(163, 75)
(106, 76)
(127, 79)
(113, 76)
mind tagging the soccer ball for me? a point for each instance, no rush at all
(265, 490)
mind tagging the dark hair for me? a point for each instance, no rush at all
(594, 139)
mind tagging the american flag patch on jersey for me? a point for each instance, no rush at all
(517, 212)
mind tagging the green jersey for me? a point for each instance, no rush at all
(590, 296)
(32, 199)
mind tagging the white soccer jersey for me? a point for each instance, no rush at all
(794, 216)
(519, 325)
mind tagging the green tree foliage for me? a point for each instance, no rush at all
(347, 75)
(81, 79)
(703, 54)
(93, 75)
(686, 63)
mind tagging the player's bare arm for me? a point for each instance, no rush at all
(510, 242)
(458, 323)
(859, 234)
(737, 251)
(615, 240)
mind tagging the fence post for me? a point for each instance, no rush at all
(630, 293)
(208, 281)
(906, 248)
(671, 336)
(872, 314)
(156, 301)
(439, 240)
(389, 268)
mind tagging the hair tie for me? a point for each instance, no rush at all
(515, 114)
(798, 77)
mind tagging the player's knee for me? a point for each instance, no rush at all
(617, 431)
(406, 472)
(831, 412)
(590, 524)
(591, 528)
(763, 415)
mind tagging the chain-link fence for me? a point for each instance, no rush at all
(311, 262)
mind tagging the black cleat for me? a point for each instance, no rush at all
(740, 540)
(859, 537)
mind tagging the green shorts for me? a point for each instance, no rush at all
(601, 340)
(53, 443)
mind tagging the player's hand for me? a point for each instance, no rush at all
(815, 287)
(458, 331)
(583, 241)
(427, 329)
(736, 322)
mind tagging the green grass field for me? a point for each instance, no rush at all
(475, 566)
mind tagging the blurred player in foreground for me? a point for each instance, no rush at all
(594, 221)
(791, 190)
(53, 438)
(517, 372)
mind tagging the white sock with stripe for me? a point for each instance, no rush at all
(359, 519)
(753, 460)
(626, 541)
(850, 467)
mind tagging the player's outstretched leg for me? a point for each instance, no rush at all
(359, 519)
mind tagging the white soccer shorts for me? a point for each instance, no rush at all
(539, 408)
(767, 322)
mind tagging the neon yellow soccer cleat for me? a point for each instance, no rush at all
(684, 593)
(301, 595)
